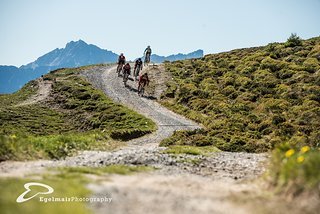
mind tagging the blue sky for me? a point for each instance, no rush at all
(31, 28)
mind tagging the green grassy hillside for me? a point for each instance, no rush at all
(249, 99)
(255, 100)
(75, 116)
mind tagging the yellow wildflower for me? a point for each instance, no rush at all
(289, 153)
(305, 149)
(13, 136)
(300, 159)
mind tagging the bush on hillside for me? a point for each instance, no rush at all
(293, 41)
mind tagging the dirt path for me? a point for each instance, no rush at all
(166, 120)
(43, 92)
(182, 184)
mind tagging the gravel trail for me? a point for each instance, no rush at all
(105, 78)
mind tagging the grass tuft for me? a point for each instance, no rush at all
(191, 150)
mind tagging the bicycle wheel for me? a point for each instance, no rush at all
(125, 79)
(136, 72)
(119, 68)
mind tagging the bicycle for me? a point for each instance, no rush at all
(119, 69)
(141, 90)
(136, 72)
(147, 59)
(125, 78)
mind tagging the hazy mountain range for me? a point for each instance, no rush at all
(158, 59)
(75, 54)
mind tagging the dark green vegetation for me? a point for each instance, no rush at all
(66, 182)
(249, 99)
(75, 116)
(256, 100)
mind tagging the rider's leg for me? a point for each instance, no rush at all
(142, 88)
(148, 58)
(136, 73)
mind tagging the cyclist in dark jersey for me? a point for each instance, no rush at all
(121, 62)
(137, 68)
(126, 73)
(143, 81)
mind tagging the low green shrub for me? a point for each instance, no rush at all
(293, 41)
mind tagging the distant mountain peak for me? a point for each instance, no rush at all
(76, 43)
(75, 53)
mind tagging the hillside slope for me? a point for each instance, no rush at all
(256, 100)
(56, 115)
(249, 99)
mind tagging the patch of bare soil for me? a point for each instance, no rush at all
(44, 88)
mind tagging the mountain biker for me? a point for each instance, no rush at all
(147, 53)
(127, 69)
(121, 62)
(137, 68)
(126, 73)
(143, 81)
(121, 59)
